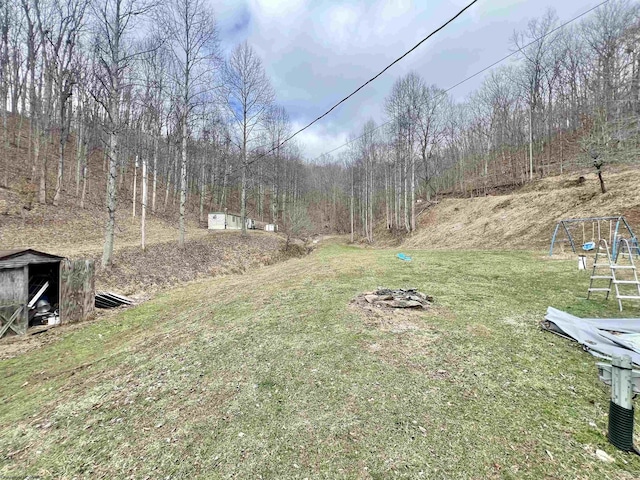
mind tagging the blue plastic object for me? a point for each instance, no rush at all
(404, 257)
(588, 246)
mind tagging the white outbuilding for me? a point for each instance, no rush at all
(224, 221)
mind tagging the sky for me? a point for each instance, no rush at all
(316, 52)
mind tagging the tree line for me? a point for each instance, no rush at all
(570, 95)
(146, 86)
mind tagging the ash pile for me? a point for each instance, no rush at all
(400, 298)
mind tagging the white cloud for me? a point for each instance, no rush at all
(340, 22)
(315, 142)
(318, 51)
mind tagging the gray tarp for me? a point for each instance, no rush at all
(596, 334)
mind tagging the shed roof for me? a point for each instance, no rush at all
(6, 254)
(24, 256)
(223, 213)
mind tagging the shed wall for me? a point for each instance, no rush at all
(14, 285)
(14, 293)
(216, 221)
(77, 290)
(222, 221)
(234, 222)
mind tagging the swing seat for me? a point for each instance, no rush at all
(588, 246)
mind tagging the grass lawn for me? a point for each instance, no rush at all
(273, 374)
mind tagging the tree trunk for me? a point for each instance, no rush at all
(113, 152)
(183, 184)
(530, 142)
(413, 193)
(202, 191)
(407, 225)
(155, 173)
(42, 190)
(5, 146)
(144, 203)
(111, 196)
(243, 194)
(602, 187)
(85, 173)
(64, 136)
(351, 209)
(167, 186)
(135, 187)
(79, 135)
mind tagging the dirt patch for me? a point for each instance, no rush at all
(479, 330)
(392, 323)
(392, 320)
(393, 311)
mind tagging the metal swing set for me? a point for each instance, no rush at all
(618, 228)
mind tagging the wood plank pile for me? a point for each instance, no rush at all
(111, 300)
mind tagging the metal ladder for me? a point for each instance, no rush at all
(598, 263)
(631, 281)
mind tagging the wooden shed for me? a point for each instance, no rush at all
(27, 275)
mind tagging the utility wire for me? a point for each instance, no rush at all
(366, 83)
(475, 74)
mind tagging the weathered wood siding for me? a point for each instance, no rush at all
(77, 290)
(26, 259)
(14, 293)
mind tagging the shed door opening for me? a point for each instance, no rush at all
(41, 274)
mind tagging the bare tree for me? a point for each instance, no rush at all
(538, 33)
(604, 33)
(248, 95)
(412, 108)
(66, 71)
(278, 128)
(114, 23)
(5, 21)
(193, 41)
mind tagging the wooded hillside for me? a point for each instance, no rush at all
(131, 105)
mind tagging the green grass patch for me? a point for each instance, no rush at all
(275, 374)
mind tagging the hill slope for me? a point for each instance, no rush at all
(527, 217)
(275, 375)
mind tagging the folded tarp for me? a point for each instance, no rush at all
(596, 335)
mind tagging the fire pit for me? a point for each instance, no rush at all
(400, 298)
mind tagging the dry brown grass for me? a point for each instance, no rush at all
(68, 230)
(166, 264)
(77, 233)
(526, 218)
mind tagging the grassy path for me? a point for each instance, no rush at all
(274, 375)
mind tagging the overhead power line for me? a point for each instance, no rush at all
(476, 74)
(366, 83)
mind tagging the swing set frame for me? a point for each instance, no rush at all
(621, 225)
